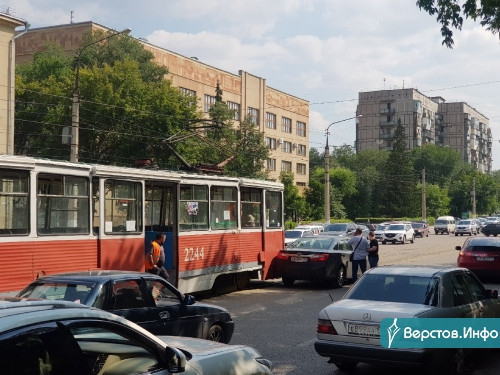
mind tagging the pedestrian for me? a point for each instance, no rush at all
(360, 249)
(372, 250)
(155, 257)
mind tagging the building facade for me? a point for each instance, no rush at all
(427, 120)
(281, 117)
(8, 25)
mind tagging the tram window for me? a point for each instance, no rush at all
(251, 201)
(223, 207)
(123, 206)
(193, 208)
(274, 211)
(14, 202)
(63, 204)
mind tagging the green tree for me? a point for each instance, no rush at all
(294, 202)
(315, 159)
(399, 196)
(437, 200)
(439, 163)
(450, 14)
(315, 194)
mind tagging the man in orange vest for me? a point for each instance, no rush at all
(155, 257)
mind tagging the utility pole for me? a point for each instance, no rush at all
(474, 197)
(75, 104)
(424, 202)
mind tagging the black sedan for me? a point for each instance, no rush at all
(492, 229)
(324, 258)
(143, 298)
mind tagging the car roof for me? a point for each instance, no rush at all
(96, 275)
(410, 270)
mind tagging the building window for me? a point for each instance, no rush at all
(254, 115)
(193, 208)
(286, 147)
(235, 107)
(286, 125)
(301, 128)
(271, 164)
(270, 120)
(286, 166)
(270, 143)
(301, 168)
(63, 204)
(14, 202)
(187, 92)
(301, 184)
(209, 102)
(301, 149)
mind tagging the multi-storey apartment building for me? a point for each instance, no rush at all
(426, 121)
(283, 118)
(8, 38)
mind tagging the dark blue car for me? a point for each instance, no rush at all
(143, 298)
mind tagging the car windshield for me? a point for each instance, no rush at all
(314, 243)
(417, 225)
(396, 227)
(74, 292)
(336, 228)
(380, 227)
(293, 234)
(440, 222)
(396, 288)
(464, 222)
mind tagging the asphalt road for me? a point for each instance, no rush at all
(281, 322)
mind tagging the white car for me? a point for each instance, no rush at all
(293, 234)
(468, 226)
(60, 337)
(348, 330)
(379, 230)
(398, 232)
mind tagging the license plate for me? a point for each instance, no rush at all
(298, 259)
(363, 329)
(485, 259)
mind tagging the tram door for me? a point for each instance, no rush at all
(160, 216)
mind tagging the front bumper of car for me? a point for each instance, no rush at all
(393, 237)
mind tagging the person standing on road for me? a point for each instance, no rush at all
(155, 257)
(372, 250)
(360, 247)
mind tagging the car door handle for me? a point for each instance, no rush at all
(164, 315)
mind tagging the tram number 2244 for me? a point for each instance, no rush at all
(193, 254)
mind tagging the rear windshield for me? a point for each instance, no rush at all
(396, 288)
(293, 234)
(485, 246)
(336, 227)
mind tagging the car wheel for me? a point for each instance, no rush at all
(216, 333)
(404, 240)
(242, 280)
(496, 234)
(435, 232)
(339, 279)
(345, 365)
(288, 281)
(412, 239)
(487, 234)
(383, 242)
(456, 234)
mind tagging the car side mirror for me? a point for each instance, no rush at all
(492, 293)
(174, 360)
(189, 299)
(458, 248)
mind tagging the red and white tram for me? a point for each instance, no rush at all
(59, 216)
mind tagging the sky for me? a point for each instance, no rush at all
(323, 51)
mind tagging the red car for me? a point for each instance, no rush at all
(481, 255)
(420, 228)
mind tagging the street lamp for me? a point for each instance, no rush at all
(75, 105)
(327, 170)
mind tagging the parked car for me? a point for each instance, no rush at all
(444, 224)
(480, 255)
(340, 228)
(60, 337)
(400, 232)
(348, 330)
(143, 298)
(420, 228)
(492, 229)
(292, 234)
(491, 220)
(379, 230)
(314, 228)
(468, 226)
(314, 258)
